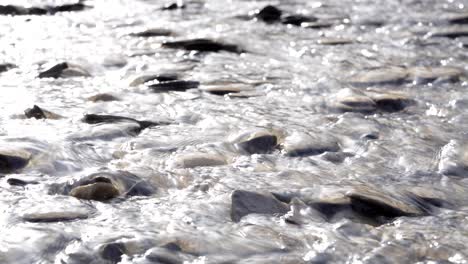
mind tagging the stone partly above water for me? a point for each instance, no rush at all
(51, 217)
(199, 160)
(43, 10)
(109, 119)
(259, 142)
(164, 77)
(269, 14)
(6, 67)
(40, 113)
(176, 86)
(154, 32)
(202, 45)
(245, 202)
(352, 100)
(103, 97)
(19, 182)
(11, 162)
(64, 70)
(225, 88)
(452, 33)
(104, 186)
(380, 76)
(303, 144)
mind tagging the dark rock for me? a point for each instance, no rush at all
(297, 20)
(55, 71)
(225, 88)
(329, 209)
(11, 163)
(375, 205)
(317, 24)
(6, 66)
(39, 113)
(258, 143)
(18, 182)
(54, 217)
(178, 86)
(67, 8)
(390, 102)
(334, 41)
(64, 69)
(461, 18)
(451, 33)
(155, 32)
(245, 202)
(103, 97)
(103, 186)
(100, 119)
(269, 14)
(99, 191)
(336, 157)
(202, 45)
(112, 252)
(164, 256)
(173, 6)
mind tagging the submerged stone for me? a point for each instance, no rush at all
(202, 45)
(99, 191)
(99, 119)
(334, 41)
(350, 100)
(46, 10)
(391, 102)
(245, 202)
(451, 33)
(112, 252)
(103, 97)
(173, 6)
(225, 88)
(199, 160)
(18, 182)
(423, 75)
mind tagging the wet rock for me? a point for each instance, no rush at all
(40, 113)
(177, 86)
(112, 252)
(454, 159)
(64, 70)
(225, 88)
(165, 256)
(18, 182)
(10, 163)
(165, 77)
(461, 18)
(259, 142)
(67, 8)
(297, 20)
(317, 24)
(174, 6)
(154, 32)
(100, 119)
(202, 45)
(46, 10)
(54, 217)
(269, 14)
(104, 186)
(336, 157)
(98, 191)
(423, 75)
(451, 33)
(350, 100)
(18, 10)
(103, 97)
(6, 67)
(334, 41)
(245, 202)
(199, 160)
(380, 76)
(379, 206)
(302, 144)
(391, 102)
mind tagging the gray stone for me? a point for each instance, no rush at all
(454, 159)
(246, 202)
(154, 32)
(40, 113)
(350, 100)
(50, 217)
(259, 142)
(302, 144)
(103, 97)
(12, 162)
(202, 45)
(429, 74)
(334, 41)
(99, 191)
(380, 76)
(63, 70)
(199, 160)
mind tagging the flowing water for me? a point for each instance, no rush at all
(364, 124)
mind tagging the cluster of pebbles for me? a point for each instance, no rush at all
(291, 133)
